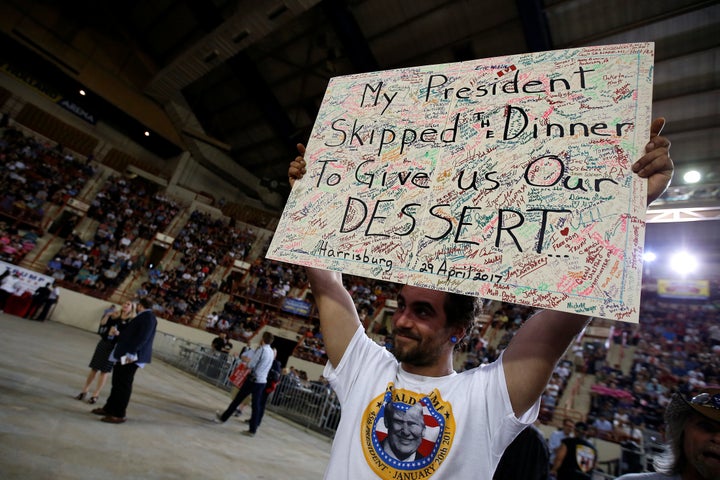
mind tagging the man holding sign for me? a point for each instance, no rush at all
(470, 417)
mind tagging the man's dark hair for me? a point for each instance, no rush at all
(268, 338)
(145, 302)
(391, 409)
(461, 310)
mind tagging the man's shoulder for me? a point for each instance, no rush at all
(648, 476)
(144, 318)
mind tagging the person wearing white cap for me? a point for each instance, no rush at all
(693, 435)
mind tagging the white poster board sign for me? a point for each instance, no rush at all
(508, 178)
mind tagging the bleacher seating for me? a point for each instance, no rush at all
(51, 127)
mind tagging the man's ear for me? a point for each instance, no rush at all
(457, 335)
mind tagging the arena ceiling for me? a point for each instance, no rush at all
(253, 72)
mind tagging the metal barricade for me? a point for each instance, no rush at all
(197, 359)
(313, 405)
(632, 458)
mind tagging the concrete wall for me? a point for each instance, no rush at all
(84, 312)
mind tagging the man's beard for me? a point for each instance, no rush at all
(417, 352)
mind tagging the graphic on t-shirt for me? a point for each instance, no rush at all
(406, 432)
(585, 457)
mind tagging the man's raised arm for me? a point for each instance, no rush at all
(338, 316)
(534, 351)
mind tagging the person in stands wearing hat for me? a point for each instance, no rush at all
(693, 436)
(576, 457)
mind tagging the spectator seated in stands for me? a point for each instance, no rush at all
(124, 199)
(33, 172)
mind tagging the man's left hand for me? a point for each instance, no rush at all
(656, 165)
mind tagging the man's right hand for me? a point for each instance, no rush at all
(338, 317)
(297, 166)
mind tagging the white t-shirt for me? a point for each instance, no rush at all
(10, 284)
(648, 476)
(468, 417)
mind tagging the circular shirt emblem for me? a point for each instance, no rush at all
(407, 433)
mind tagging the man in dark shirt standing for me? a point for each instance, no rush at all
(526, 458)
(576, 457)
(47, 305)
(39, 298)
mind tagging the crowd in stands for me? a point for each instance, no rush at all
(98, 264)
(177, 293)
(239, 319)
(202, 243)
(310, 344)
(31, 175)
(268, 281)
(128, 208)
(14, 243)
(676, 350)
(505, 321)
(34, 173)
(124, 209)
(213, 240)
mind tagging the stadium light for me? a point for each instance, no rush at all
(693, 176)
(683, 263)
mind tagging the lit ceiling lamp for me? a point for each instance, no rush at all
(683, 263)
(693, 176)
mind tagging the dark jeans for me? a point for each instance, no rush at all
(34, 307)
(263, 402)
(122, 382)
(4, 295)
(45, 309)
(248, 388)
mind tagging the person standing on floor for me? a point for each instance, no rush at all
(52, 299)
(273, 378)
(39, 298)
(259, 362)
(111, 324)
(132, 351)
